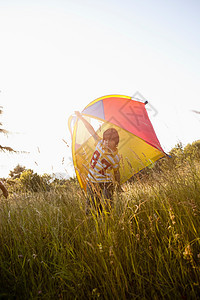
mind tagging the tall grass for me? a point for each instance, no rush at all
(148, 247)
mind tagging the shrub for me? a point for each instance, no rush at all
(31, 181)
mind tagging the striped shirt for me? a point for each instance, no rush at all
(102, 164)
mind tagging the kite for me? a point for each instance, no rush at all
(138, 147)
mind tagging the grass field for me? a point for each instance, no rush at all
(148, 247)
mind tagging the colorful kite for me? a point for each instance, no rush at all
(138, 146)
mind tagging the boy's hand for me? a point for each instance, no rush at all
(78, 114)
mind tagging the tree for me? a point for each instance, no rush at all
(4, 148)
(17, 172)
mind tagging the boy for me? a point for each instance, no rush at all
(105, 159)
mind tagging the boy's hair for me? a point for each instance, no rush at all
(111, 134)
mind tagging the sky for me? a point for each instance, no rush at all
(56, 56)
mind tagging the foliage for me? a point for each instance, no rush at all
(26, 180)
(32, 181)
(190, 152)
(147, 247)
(17, 171)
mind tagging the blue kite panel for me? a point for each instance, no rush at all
(96, 110)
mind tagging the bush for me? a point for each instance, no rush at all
(192, 151)
(31, 181)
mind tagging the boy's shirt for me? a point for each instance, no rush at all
(102, 164)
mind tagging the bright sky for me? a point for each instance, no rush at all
(58, 55)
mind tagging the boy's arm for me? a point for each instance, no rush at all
(88, 126)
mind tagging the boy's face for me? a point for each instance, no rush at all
(109, 144)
